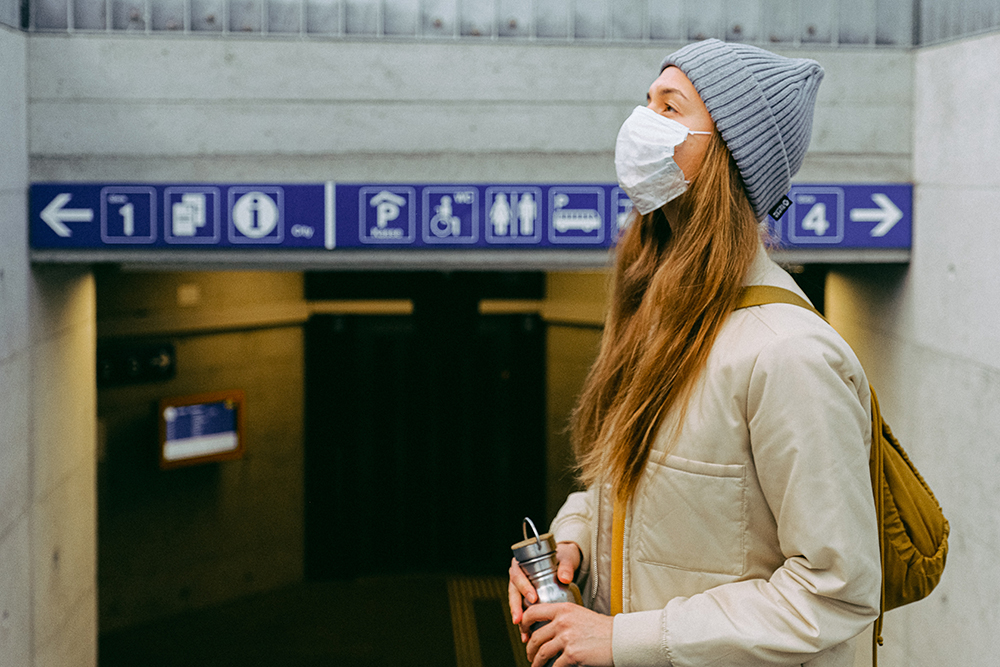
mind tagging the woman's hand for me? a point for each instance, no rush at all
(520, 590)
(573, 635)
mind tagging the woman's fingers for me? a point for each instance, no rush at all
(568, 555)
(541, 636)
(573, 634)
(518, 590)
(520, 581)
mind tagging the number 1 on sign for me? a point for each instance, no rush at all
(128, 218)
(815, 220)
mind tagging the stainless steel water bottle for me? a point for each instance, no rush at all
(537, 557)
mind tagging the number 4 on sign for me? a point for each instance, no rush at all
(815, 220)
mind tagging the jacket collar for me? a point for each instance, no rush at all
(764, 271)
(761, 267)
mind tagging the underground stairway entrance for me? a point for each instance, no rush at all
(424, 448)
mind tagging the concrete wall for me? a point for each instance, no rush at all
(47, 424)
(163, 108)
(15, 359)
(930, 339)
(63, 409)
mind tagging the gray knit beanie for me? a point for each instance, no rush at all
(762, 105)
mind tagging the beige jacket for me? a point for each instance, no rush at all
(752, 541)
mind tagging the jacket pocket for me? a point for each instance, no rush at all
(691, 515)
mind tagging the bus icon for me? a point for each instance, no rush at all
(576, 215)
(584, 220)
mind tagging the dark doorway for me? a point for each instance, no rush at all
(425, 434)
(811, 278)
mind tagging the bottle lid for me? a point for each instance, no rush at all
(533, 547)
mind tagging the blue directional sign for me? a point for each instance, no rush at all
(176, 216)
(398, 216)
(847, 216)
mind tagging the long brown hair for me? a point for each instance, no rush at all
(674, 286)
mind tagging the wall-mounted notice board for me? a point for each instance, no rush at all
(199, 428)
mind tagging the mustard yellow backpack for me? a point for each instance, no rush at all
(913, 539)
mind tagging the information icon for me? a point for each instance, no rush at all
(256, 215)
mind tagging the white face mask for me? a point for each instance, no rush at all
(644, 159)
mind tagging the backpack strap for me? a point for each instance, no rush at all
(760, 295)
(877, 466)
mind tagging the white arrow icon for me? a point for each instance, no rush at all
(886, 215)
(55, 215)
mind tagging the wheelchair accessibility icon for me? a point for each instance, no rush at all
(450, 214)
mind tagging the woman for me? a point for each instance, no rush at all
(728, 517)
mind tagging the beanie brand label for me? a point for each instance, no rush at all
(780, 208)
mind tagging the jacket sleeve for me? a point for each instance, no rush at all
(574, 523)
(810, 432)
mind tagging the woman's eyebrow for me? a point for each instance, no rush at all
(669, 91)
